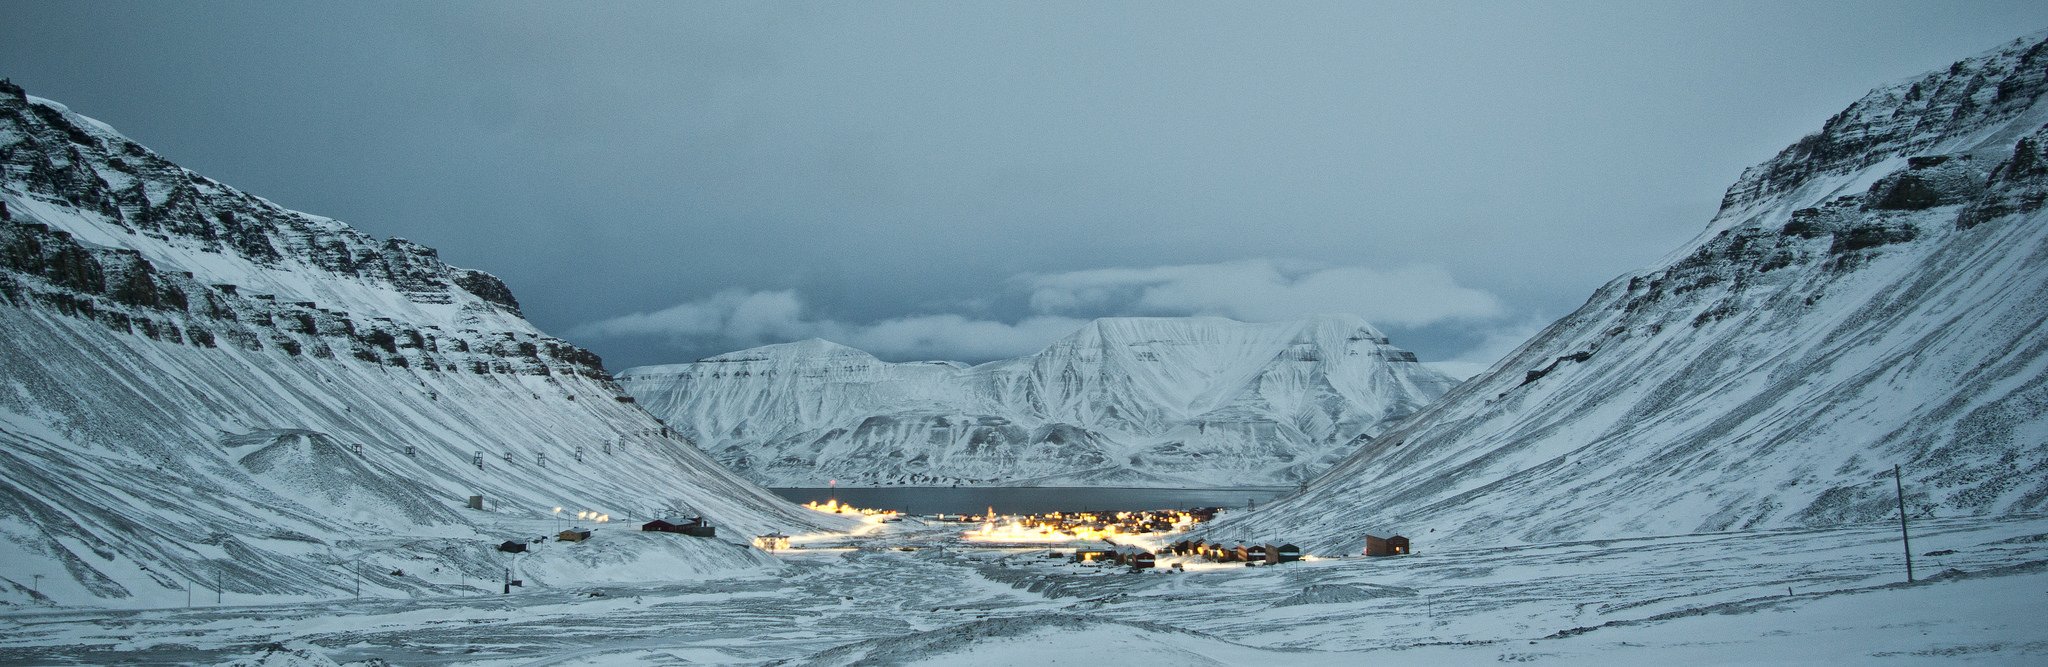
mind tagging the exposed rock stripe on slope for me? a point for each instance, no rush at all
(1873, 295)
(1123, 401)
(197, 386)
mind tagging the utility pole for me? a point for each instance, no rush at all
(219, 575)
(35, 586)
(359, 578)
(1900, 487)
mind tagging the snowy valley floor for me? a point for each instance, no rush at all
(1805, 596)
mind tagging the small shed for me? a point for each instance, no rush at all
(513, 547)
(573, 535)
(1386, 546)
(698, 527)
(771, 542)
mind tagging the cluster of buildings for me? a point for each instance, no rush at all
(833, 506)
(1137, 558)
(1252, 554)
(1085, 526)
(694, 527)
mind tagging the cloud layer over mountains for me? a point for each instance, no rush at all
(1257, 290)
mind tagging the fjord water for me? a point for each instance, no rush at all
(1032, 500)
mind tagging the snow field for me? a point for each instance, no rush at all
(1693, 599)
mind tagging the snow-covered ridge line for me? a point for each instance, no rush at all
(205, 389)
(1869, 297)
(1123, 401)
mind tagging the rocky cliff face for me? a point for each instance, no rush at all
(1872, 296)
(203, 386)
(1136, 401)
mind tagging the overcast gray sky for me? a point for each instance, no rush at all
(661, 182)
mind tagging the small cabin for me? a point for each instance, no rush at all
(1285, 553)
(1257, 553)
(513, 547)
(573, 535)
(1386, 546)
(771, 542)
(1240, 554)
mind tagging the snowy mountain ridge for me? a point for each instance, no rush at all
(1871, 296)
(202, 386)
(1122, 401)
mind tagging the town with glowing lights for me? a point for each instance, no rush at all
(1139, 540)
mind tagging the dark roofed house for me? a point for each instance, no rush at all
(1386, 546)
(513, 547)
(658, 526)
(1285, 553)
(694, 527)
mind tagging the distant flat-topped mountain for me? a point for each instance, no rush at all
(204, 387)
(1876, 295)
(1123, 401)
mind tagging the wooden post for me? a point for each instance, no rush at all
(1900, 487)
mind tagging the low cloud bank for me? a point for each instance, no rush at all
(1055, 304)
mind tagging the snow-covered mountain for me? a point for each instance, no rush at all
(1123, 401)
(200, 388)
(1874, 295)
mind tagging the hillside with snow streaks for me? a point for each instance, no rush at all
(200, 388)
(1124, 401)
(1874, 295)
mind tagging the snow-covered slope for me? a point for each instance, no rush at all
(1874, 295)
(199, 386)
(1123, 401)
